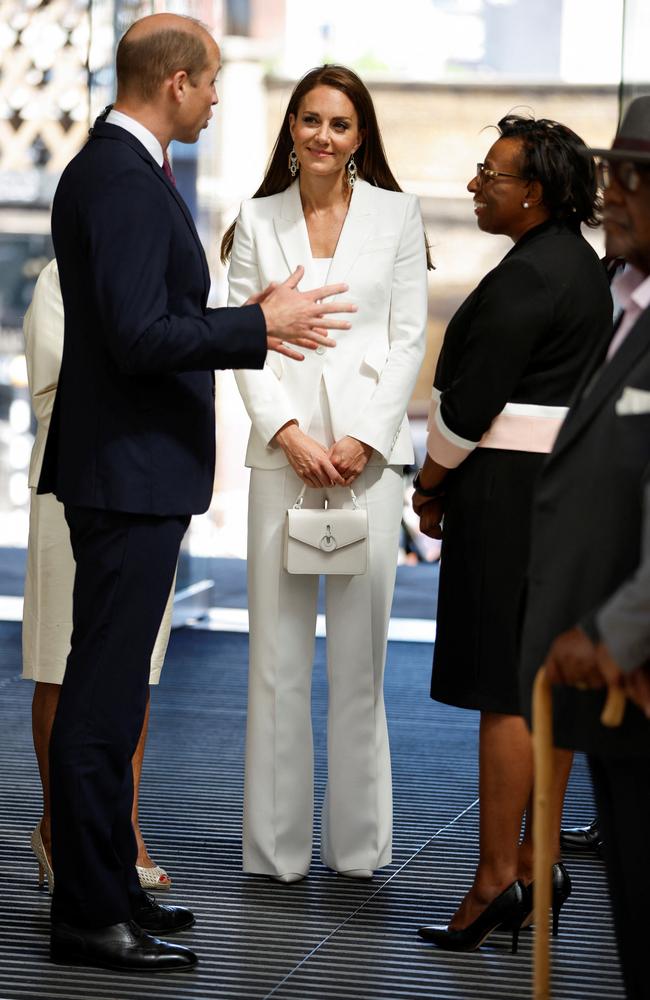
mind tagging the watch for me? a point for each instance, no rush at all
(433, 493)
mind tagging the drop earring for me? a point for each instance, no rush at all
(351, 173)
(294, 165)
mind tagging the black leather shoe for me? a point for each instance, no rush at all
(582, 838)
(158, 918)
(506, 912)
(124, 947)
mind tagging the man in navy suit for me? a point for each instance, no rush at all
(130, 453)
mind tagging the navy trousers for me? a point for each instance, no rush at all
(124, 570)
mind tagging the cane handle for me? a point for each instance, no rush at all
(543, 860)
(612, 713)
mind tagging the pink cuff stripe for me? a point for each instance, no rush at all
(522, 432)
(445, 447)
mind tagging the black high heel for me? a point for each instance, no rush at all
(560, 891)
(506, 911)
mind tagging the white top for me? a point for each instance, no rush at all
(137, 130)
(320, 428)
(319, 268)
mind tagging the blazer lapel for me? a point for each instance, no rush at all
(605, 383)
(160, 174)
(356, 229)
(291, 229)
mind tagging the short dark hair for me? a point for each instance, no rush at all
(555, 156)
(143, 64)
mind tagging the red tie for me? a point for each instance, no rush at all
(167, 170)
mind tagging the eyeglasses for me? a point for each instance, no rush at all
(626, 173)
(485, 174)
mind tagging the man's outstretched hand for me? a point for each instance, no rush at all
(301, 318)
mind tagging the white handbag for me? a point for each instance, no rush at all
(326, 540)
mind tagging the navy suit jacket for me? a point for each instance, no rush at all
(133, 422)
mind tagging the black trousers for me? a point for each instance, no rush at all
(124, 570)
(622, 790)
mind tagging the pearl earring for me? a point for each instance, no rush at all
(525, 204)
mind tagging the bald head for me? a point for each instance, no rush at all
(145, 27)
(155, 48)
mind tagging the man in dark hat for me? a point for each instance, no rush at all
(585, 619)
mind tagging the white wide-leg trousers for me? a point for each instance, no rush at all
(278, 792)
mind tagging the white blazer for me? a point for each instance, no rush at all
(370, 374)
(43, 332)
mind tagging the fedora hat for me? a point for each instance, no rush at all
(632, 141)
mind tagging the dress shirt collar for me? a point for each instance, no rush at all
(139, 132)
(631, 288)
(631, 292)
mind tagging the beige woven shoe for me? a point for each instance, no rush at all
(155, 878)
(44, 866)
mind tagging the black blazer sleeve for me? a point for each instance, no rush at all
(505, 318)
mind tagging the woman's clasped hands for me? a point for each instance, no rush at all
(318, 466)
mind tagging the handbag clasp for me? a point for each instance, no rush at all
(328, 541)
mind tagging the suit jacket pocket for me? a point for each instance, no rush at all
(374, 359)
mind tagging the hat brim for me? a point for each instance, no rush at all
(631, 155)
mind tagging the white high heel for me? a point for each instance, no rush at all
(44, 866)
(153, 878)
(288, 877)
(150, 878)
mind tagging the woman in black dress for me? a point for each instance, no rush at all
(511, 356)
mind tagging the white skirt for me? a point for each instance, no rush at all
(47, 613)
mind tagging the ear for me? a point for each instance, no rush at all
(179, 84)
(534, 193)
(292, 123)
(362, 135)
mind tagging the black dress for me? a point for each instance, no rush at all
(523, 335)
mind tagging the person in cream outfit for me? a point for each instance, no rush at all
(47, 612)
(329, 202)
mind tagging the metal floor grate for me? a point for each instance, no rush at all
(323, 938)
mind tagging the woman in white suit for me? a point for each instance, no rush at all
(47, 612)
(329, 203)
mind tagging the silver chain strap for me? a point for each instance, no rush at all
(301, 497)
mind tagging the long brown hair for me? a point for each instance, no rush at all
(370, 157)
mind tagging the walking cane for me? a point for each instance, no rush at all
(612, 715)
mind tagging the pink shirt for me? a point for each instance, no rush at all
(631, 290)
